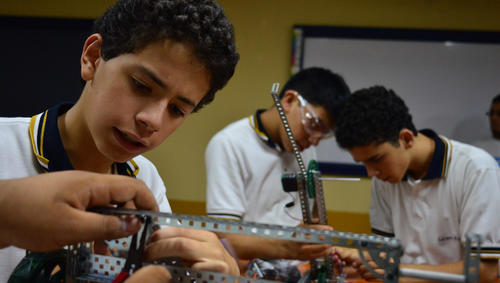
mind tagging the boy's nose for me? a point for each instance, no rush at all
(314, 139)
(151, 117)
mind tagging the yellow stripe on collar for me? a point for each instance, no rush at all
(43, 132)
(253, 122)
(136, 168)
(44, 161)
(447, 155)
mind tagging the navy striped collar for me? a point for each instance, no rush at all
(48, 147)
(257, 125)
(440, 158)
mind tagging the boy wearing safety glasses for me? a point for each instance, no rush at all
(246, 159)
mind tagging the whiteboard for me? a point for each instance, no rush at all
(447, 79)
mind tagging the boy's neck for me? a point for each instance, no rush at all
(79, 146)
(271, 122)
(421, 156)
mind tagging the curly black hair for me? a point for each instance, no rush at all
(320, 87)
(372, 116)
(131, 25)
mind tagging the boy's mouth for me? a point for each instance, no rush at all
(127, 141)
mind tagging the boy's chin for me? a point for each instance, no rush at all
(122, 158)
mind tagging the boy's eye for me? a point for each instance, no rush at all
(176, 111)
(140, 85)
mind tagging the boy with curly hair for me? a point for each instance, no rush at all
(147, 67)
(429, 191)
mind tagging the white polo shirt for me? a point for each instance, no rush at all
(244, 169)
(460, 194)
(491, 145)
(31, 146)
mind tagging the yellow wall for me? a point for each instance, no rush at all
(263, 34)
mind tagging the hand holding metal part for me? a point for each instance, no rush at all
(84, 266)
(87, 266)
(135, 252)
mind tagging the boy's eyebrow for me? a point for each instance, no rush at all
(187, 101)
(152, 76)
(159, 82)
(373, 157)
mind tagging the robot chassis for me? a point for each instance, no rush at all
(80, 264)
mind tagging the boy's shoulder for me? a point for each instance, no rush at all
(466, 156)
(235, 131)
(12, 121)
(14, 126)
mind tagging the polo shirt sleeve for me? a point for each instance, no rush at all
(480, 202)
(380, 209)
(225, 182)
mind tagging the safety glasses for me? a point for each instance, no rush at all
(313, 125)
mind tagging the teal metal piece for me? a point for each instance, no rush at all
(311, 168)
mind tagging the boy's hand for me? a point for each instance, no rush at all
(198, 249)
(353, 266)
(47, 211)
(150, 274)
(307, 251)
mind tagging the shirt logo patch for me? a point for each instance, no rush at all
(444, 239)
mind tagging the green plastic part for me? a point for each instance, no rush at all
(322, 274)
(311, 168)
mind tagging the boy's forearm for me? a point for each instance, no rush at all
(5, 214)
(488, 270)
(248, 247)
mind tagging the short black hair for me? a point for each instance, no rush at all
(131, 25)
(372, 115)
(320, 87)
(496, 99)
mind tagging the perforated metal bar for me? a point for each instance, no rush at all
(303, 198)
(83, 266)
(302, 176)
(105, 268)
(297, 234)
(320, 198)
(288, 130)
(88, 267)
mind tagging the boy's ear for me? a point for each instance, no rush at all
(91, 56)
(407, 138)
(288, 99)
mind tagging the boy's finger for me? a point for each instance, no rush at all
(150, 274)
(187, 249)
(172, 232)
(94, 226)
(115, 189)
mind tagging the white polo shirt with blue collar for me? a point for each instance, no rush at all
(244, 168)
(460, 194)
(31, 146)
